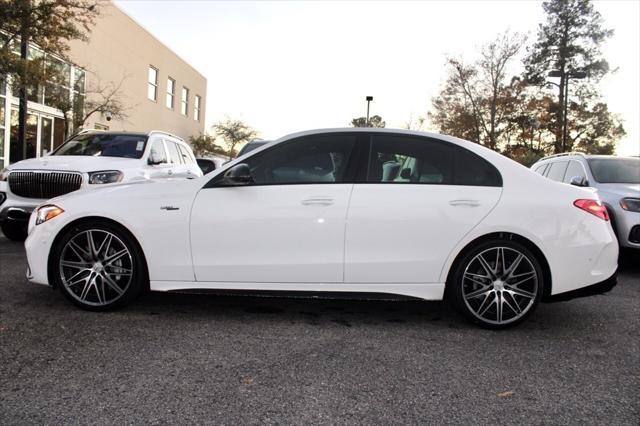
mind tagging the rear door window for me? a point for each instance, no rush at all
(174, 152)
(158, 155)
(557, 170)
(574, 169)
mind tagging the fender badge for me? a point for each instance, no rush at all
(169, 208)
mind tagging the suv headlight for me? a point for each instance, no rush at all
(4, 174)
(46, 212)
(630, 204)
(105, 176)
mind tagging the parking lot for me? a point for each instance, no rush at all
(172, 358)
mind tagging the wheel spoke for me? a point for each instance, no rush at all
(478, 293)
(509, 273)
(481, 311)
(111, 283)
(527, 275)
(92, 245)
(109, 260)
(86, 288)
(515, 310)
(79, 251)
(76, 265)
(519, 292)
(106, 244)
(486, 266)
(475, 278)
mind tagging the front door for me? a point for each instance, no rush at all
(421, 197)
(286, 227)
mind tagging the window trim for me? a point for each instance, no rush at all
(154, 84)
(171, 95)
(184, 102)
(197, 105)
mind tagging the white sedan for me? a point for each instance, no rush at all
(341, 210)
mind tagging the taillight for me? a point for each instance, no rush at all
(594, 207)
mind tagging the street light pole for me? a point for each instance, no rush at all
(369, 99)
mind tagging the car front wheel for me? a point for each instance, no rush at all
(497, 284)
(98, 266)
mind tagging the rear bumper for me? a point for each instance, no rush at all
(591, 290)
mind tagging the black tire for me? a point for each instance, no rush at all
(467, 290)
(133, 261)
(15, 231)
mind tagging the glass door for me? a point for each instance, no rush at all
(45, 140)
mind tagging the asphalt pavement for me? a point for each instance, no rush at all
(174, 358)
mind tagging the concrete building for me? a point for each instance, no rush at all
(159, 90)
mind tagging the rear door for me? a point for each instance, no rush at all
(420, 198)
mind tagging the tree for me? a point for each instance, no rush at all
(474, 101)
(568, 41)
(204, 145)
(49, 24)
(374, 121)
(234, 132)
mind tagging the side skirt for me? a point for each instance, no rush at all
(426, 291)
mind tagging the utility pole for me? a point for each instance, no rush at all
(369, 99)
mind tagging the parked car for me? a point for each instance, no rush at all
(343, 210)
(209, 164)
(616, 179)
(251, 145)
(89, 159)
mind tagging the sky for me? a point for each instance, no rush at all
(289, 66)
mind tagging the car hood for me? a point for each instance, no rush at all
(621, 189)
(77, 163)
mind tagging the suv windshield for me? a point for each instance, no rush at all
(615, 170)
(104, 145)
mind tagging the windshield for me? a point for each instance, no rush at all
(615, 170)
(104, 145)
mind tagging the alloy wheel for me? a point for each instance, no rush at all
(500, 285)
(96, 267)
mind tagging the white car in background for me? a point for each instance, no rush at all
(89, 159)
(343, 210)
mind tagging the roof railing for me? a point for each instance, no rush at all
(563, 154)
(165, 133)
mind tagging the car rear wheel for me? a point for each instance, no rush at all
(98, 266)
(497, 284)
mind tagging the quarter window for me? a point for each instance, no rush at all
(309, 160)
(152, 84)
(556, 170)
(403, 159)
(184, 103)
(186, 157)
(171, 90)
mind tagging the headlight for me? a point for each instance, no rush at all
(4, 174)
(47, 212)
(105, 176)
(630, 204)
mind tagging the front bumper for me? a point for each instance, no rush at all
(591, 290)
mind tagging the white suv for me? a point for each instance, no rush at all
(88, 159)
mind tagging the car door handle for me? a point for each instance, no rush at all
(170, 172)
(317, 202)
(468, 203)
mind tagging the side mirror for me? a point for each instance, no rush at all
(240, 174)
(206, 165)
(579, 181)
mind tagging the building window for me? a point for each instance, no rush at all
(196, 108)
(152, 86)
(171, 91)
(184, 108)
